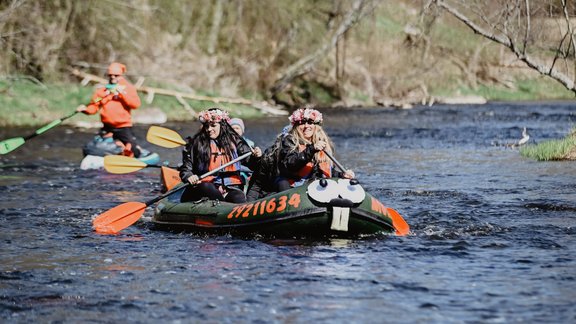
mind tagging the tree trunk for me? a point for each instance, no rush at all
(215, 30)
(305, 64)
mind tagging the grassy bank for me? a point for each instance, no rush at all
(554, 150)
(27, 103)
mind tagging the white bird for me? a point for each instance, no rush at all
(525, 137)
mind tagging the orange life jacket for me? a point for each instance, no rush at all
(229, 175)
(306, 171)
(115, 110)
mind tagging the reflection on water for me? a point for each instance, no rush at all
(492, 233)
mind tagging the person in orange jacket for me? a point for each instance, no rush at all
(115, 102)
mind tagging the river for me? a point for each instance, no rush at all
(493, 237)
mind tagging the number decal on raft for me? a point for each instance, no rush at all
(247, 210)
(271, 206)
(379, 207)
(294, 200)
(281, 203)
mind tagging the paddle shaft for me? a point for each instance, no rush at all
(49, 126)
(9, 145)
(209, 173)
(340, 166)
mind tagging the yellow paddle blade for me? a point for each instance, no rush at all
(164, 137)
(120, 164)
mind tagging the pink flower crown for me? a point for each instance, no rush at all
(304, 115)
(213, 116)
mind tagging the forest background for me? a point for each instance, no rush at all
(284, 53)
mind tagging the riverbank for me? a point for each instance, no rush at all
(553, 150)
(356, 53)
(26, 102)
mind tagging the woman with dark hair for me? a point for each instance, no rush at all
(214, 145)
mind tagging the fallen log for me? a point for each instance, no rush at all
(262, 106)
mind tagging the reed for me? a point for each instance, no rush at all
(553, 150)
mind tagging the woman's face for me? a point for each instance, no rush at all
(307, 130)
(213, 130)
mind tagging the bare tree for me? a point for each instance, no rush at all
(539, 33)
(216, 22)
(360, 8)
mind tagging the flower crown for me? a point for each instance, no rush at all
(213, 116)
(303, 115)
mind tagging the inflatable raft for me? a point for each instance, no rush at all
(95, 150)
(325, 207)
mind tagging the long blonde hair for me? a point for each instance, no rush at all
(319, 135)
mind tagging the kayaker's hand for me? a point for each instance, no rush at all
(194, 179)
(257, 152)
(348, 174)
(120, 89)
(320, 145)
(118, 92)
(81, 108)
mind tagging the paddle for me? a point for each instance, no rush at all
(118, 218)
(120, 164)
(402, 228)
(9, 145)
(164, 137)
(168, 138)
(340, 166)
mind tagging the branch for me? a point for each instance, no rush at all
(505, 40)
(263, 106)
(306, 63)
(527, 33)
(570, 31)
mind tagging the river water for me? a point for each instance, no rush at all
(493, 233)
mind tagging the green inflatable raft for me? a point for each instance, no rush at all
(325, 207)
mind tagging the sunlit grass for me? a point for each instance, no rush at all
(553, 150)
(23, 103)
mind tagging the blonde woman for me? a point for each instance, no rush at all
(301, 154)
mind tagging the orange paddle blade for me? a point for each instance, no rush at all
(164, 137)
(118, 218)
(170, 177)
(402, 228)
(121, 164)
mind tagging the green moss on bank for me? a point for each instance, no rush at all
(24, 103)
(554, 150)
